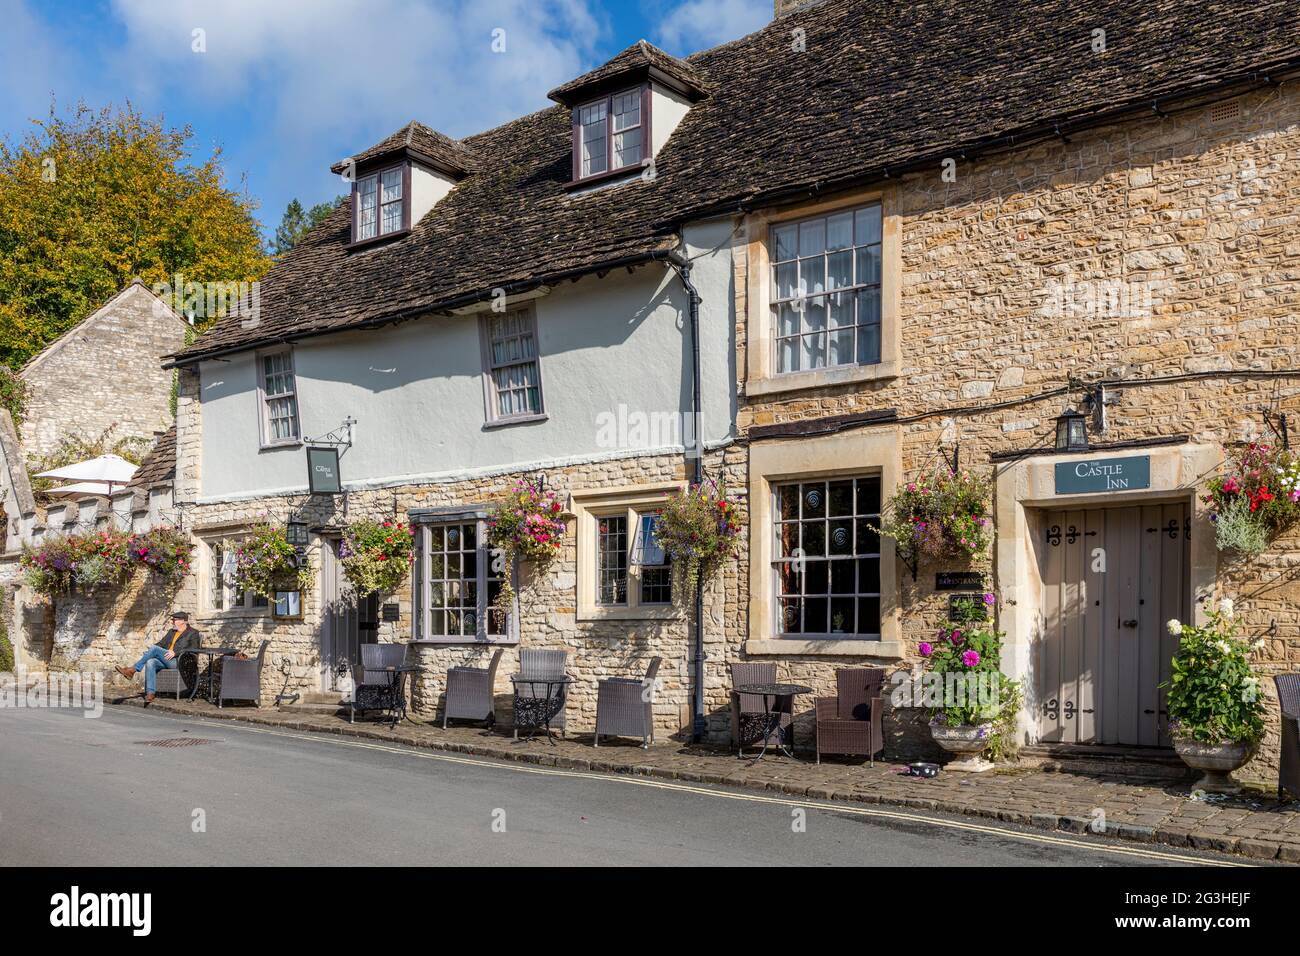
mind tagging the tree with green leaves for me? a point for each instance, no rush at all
(296, 223)
(91, 200)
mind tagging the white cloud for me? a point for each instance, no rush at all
(699, 24)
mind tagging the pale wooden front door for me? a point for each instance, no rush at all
(346, 623)
(1112, 578)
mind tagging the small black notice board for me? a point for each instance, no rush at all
(391, 612)
(323, 471)
(958, 581)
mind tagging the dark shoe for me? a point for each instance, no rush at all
(148, 699)
(127, 672)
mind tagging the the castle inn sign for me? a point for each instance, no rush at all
(1103, 474)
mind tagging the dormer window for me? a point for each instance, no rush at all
(611, 132)
(379, 199)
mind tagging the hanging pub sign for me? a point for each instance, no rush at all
(958, 581)
(1090, 475)
(323, 471)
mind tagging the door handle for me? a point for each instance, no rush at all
(1132, 623)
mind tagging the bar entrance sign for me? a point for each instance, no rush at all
(1103, 474)
(323, 471)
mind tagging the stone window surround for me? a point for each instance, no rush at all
(1025, 493)
(204, 611)
(760, 376)
(828, 456)
(587, 507)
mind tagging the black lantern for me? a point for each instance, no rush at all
(296, 534)
(1071, 431)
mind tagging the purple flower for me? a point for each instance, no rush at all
(990, 600)
(926, 649)
(970, 658)
(955, 636)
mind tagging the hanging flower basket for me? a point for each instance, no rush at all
(376, 556)
(528, 526)
(940, 515)
(104, 559)
(698, 529)
(1256, 498)
(166, 552)
(265, 562)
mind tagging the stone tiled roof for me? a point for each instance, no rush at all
(159, 465)
(873, 87)
(636, 60)
(445, 152)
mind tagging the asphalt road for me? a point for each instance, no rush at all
(79, 792)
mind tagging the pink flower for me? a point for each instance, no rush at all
(990, 600)
(955, 636)
(926, 649)
(970, 658)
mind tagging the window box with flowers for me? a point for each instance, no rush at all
(1256, 499)
(376, 556)
(526, 526)
(973, 705)
(98, 559)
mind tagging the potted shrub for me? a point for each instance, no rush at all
(1216, 714)
(941, 515)
(698, 529)
(376, 556)
(527, 525)
(265, 562)
(977, 710)
(1256, 498)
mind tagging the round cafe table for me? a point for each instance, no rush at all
(775, 696)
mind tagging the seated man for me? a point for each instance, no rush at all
(166, 653)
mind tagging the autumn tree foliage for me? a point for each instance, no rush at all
(91, 200)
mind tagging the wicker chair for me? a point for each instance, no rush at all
(540, 665)
(1288, 695)
(373, 686)
(625, 706)
(242, 680)
(470, 693)
(179, 679)
(747, 714)
(850, 722)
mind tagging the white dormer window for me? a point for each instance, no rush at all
(381, 203)
(610, 133)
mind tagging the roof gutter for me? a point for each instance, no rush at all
(417, 312)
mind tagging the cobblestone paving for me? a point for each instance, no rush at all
(1145, 809)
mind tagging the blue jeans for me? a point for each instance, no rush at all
(150, 662)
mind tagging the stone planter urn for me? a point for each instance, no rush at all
(1215, 761)
(968, 741)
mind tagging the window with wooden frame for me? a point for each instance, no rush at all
(512, 373)
(278, 398)
(380, 203)
(612, 133)
(826, 290)
(457, 584)
(220, 592)
(826, 559)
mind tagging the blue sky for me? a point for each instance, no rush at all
(286, 87)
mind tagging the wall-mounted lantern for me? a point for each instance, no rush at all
(1071, 431)
(296, 533)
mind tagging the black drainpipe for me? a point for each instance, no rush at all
(682, 266)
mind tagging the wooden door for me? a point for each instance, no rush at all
(346, 623)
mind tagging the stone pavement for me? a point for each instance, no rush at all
(1146, 809)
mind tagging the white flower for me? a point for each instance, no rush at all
(1250, 681)
(1225, 607)
(1223, 646)
(1258, 644)
(1175, 627)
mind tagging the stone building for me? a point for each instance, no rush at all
(930, 274)
(106, 372)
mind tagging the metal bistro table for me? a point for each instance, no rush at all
(397, 704)
(212, 653)
(772, 711)
(536, 712)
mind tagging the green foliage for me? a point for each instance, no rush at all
(1257, 497)
(90, 201)
(104, 558)
(1214, 695)
(13, 395)
(527, 524)
(265, 562)
(295, 223)
(376, 556)
(6, 648)
(166, 552)
(74, 448)
(940, 515)
(698, 530)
